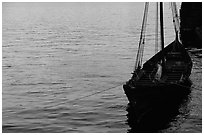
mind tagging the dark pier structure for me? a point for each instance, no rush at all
(191, 24)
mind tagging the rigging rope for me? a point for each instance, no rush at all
(142, 38)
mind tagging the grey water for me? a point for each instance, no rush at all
(55, 53)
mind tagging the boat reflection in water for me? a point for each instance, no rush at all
(156, 115)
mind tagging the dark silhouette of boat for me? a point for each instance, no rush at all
(166, 74)
(150, 116)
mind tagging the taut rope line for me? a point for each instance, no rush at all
(95, 93)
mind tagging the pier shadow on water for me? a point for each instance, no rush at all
(156, 115)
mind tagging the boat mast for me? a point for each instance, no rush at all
(175, 19)
(156, 27)
(162, 25)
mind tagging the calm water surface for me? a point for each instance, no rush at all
(54, 53)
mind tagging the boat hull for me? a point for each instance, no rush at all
(174, 81)
(157, 92)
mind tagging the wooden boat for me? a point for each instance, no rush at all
(165, 75)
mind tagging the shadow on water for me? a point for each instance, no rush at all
(155, 115)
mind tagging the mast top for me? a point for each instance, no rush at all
(162, 25)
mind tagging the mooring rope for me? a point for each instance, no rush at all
(95, 93)
(110, 88)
